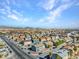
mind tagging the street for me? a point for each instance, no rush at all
(18, 51)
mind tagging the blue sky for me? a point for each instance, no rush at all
(40, 13)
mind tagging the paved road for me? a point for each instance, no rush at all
(18, 51)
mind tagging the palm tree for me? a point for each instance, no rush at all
(70, 53)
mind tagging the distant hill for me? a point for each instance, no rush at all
(9, 27)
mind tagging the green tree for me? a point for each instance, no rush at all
(75, 48)
(22, 42)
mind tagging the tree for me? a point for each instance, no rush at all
(70, 52)
(22, 42)
(75, 48)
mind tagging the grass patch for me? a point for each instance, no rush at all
(59, 42)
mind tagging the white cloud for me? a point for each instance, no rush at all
(55, 13)
(2, 11)
(66, 1)
(16, 16)
(77, 4)
(17, 13)
(13, 16)
(47, 4)
(8, 2)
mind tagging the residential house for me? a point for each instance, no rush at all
(38, 47)
(63, 53)
(27, 42)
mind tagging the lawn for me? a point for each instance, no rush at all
(59, 42)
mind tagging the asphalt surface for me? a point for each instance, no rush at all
(18, 51)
